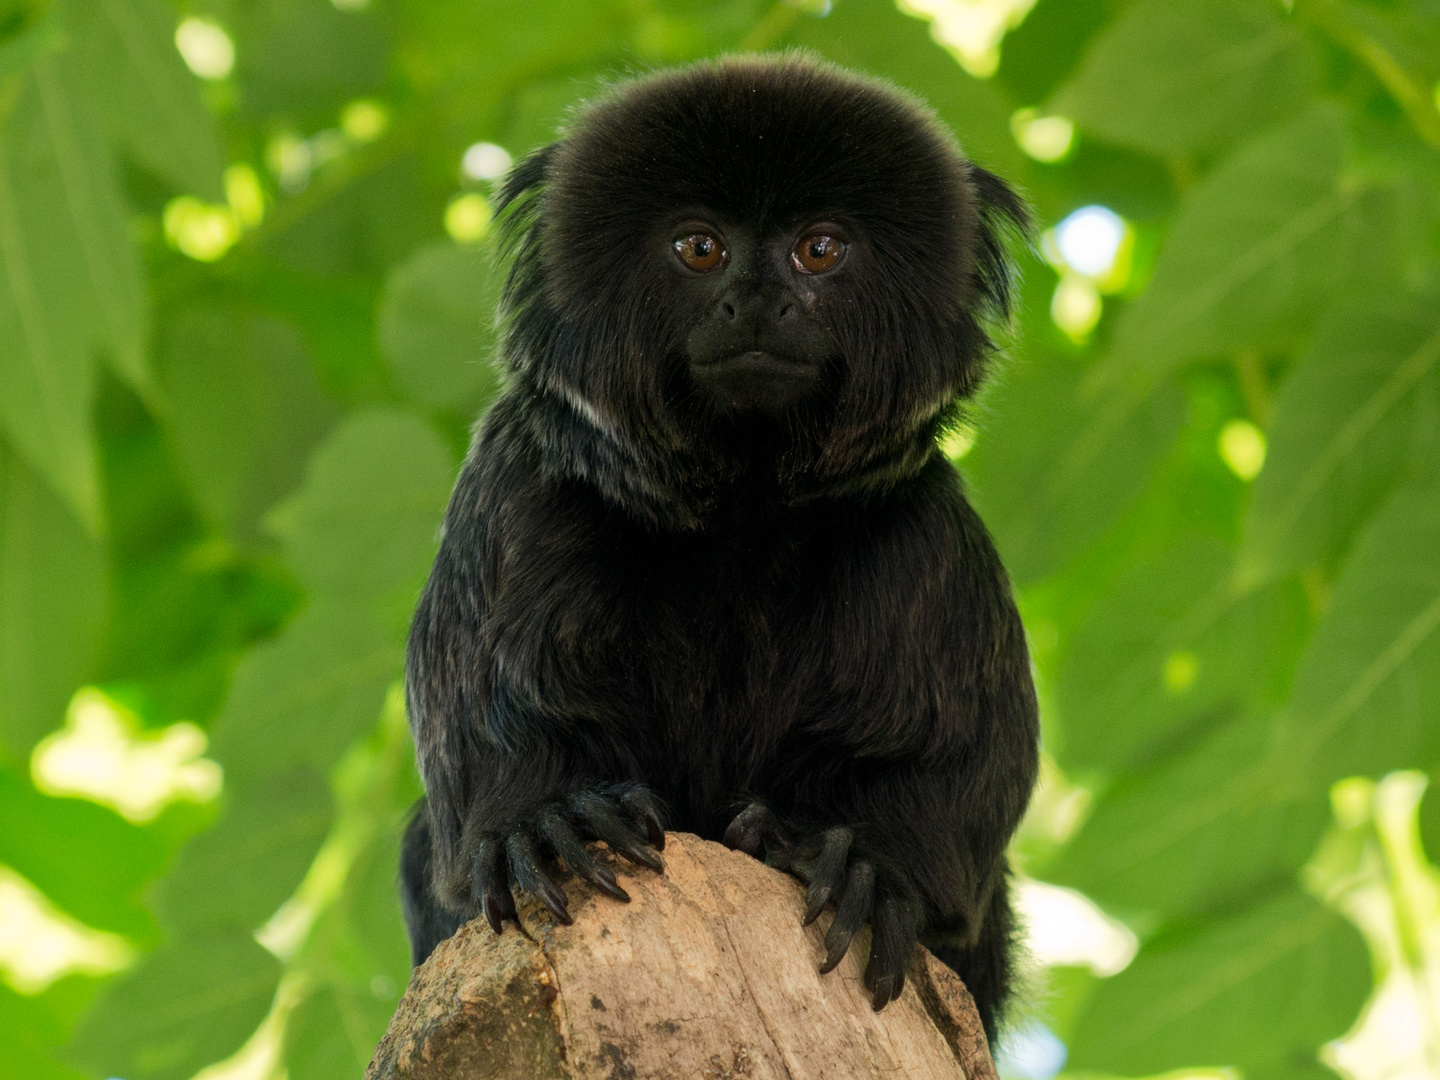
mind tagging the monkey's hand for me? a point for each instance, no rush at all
(625, 818)
(858, 885)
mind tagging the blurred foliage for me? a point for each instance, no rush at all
(239, 356)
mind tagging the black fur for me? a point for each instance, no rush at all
(704, 561)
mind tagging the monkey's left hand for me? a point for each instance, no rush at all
(861, 889)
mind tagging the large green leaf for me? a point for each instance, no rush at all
(1054, 466)
(873, 36)
(243, 407)
(53, 593)
(1254, 254)
(127, 49)
(361, 533)
(1203, 829)
(1359, 407)
(1367, 692)
(235, 875)
(332, 1035)
(1172, 641)
(437, 325)
(192, 1002)
(70, 281)
(1260, 990)
(1186, 78)
(86, 858)
(366, 521)
(301, 700)
(34, 1025)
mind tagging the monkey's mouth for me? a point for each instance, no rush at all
(756, 379)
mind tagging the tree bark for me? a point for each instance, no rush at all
(705, 974)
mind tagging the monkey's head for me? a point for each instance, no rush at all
(758, 252)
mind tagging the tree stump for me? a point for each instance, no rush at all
(706, 974)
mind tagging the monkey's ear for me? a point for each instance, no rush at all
(1004, 219)
(526, 178)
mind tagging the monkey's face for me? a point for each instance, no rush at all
(769, 238)
(756, 335)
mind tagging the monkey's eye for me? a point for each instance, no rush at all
(701, 252)
(816, 253)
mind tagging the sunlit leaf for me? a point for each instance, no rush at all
(1055, 467)
(192, 1002)
(127, 49)
(88, 860)
(1367, 691)
(437, 324)
(235, 875)
(53, 600)
(1259, 990)
(1203, 829)
(333, 1033)
(365, 522)
(1254, 254)
(70, 281)
(34, 1026)
(361, 532)
(1359, 406)
(244, 408)
(1172, 641)
(1184, 78)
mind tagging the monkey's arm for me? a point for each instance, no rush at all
(898, 797)
(510, 772)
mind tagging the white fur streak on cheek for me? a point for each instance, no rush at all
(577, 401)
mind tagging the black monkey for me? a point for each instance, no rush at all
(704, 563)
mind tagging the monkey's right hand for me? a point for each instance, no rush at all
(624, 817)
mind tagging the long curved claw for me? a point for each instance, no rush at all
(491, 885)
(825, 876)
(853, 911)
(525, 869)
(603, 823)
(640, 805)
(894, 926)
(564, 841)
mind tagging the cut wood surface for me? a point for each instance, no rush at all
(706, 973)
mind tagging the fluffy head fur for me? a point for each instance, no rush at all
(599, 321)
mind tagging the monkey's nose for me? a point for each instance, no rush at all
(757, 309)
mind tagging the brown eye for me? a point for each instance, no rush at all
(700, 251)
(816, 253)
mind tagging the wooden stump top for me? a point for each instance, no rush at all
(706, 974)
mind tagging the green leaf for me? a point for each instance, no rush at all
(872, 36)
(70, 281)
(333, 1034)
(300, 700)
(53, 593)
(1367, 690)
(361, 532)
(152, 101)
(192, 1002)
(437, 325)
(1203, 829)
(296, 58)
(1170, 642)
(1187, 78)
(1357, 410)
(1259, 990)
(88, 860)
(34, 1026)
(1254, 254)
(243, 408)
(365, 523)
(1055, 467)
(235, 875)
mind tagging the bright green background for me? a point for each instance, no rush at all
(220, 483)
